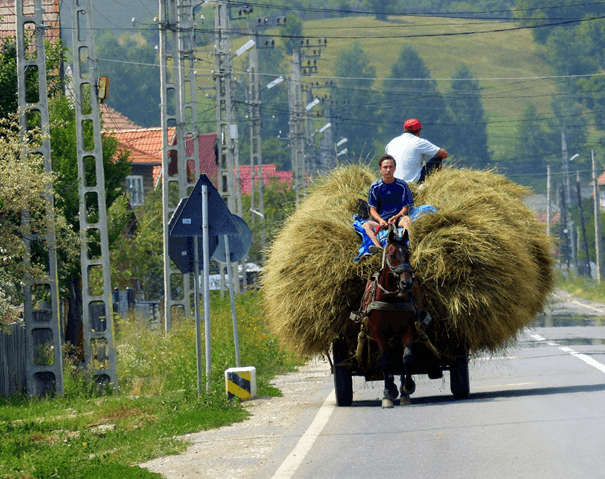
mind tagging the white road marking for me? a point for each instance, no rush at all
(305, 443)
(587, 359)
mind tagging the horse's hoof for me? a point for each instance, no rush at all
(387, 404)
(405, 400)
(407, 390)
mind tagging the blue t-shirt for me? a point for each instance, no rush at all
(389, 199)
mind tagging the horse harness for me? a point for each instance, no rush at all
(370, 304)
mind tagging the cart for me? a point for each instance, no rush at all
(354, 358)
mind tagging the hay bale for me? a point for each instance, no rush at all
(483, 262)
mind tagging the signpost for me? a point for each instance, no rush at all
(205, 214)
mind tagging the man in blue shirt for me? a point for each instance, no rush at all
(389, 200)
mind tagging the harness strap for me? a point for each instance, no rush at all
(384, 306)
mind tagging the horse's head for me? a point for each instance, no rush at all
(397, 259)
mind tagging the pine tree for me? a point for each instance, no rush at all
(359, 112)
(466, 108)
(410, 92)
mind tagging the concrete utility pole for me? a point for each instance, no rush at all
(297, 144)
(563, 233)
(585, 269)
(565, 168)
(548, 201)
(597, 218)
(227, 134)
(326, 155)
(42, 323)
(177, 287)
(97, 310)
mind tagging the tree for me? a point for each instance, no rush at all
(9, 101)
(360, 116)
(466, 108)
(23, 183)
(134, 74)
(534, 143)
(410, 92)
(381, 8)
(292, 33)
(138, 255)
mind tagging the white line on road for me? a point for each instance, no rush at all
(305, 443)
(583, 357)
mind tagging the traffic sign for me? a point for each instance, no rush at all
(239, 244)
(187, 218)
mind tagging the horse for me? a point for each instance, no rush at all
(392, 316)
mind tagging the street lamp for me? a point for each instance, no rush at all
(244, 48)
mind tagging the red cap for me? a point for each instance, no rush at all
(412, 125)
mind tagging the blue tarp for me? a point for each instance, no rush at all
(364, 250)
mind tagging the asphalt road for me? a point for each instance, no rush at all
(538, 412)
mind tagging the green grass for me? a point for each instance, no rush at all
(582, 286)
(85, 434)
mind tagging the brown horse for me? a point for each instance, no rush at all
(391, 308)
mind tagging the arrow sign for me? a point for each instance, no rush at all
(187, 218)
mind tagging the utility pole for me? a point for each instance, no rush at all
(585, 269)
(563, 233)
(297, 145)
(311, 161)
(42, 323)
(97, 310)
(548, 201)
(565, 167)
(597, 217)
(326, 144)
(257, 182)
(177, 286)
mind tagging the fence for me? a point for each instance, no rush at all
(12, 360)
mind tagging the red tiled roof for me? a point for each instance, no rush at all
(114, 121)
(269, 172)
(8, 12)
(144, 144)
(601, 179)
(554, 217)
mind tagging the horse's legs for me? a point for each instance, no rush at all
(408, 386)
(390, 388)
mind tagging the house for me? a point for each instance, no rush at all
(8, 12)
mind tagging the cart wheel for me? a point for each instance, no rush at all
(343, 381)
(459, 380)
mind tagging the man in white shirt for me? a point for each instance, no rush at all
(410, 153)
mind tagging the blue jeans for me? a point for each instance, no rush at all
(432, 165)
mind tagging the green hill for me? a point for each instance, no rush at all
(506, 63)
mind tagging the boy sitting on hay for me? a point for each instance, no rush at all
(389, 200)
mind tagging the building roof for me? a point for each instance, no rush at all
(554, 217)
(8, 12)
(601, 179)
(269, 171)
(145, 146)
(114, 121)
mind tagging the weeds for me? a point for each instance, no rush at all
(87, 433)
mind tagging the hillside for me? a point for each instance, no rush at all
(504, 62)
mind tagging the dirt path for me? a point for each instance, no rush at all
(238, 451)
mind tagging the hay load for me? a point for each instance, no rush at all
(483, 262)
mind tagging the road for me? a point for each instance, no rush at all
(537, 412)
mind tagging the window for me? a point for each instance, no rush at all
(135, 190)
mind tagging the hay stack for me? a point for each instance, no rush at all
(483, 262)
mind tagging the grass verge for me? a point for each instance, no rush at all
(582, 287)
(90, 434)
